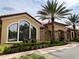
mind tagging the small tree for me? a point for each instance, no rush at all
(73, 20)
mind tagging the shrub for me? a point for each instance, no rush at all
(77, 39)
(2, 47)
(19, 47)
(58, 43)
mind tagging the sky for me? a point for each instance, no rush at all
(32, 6)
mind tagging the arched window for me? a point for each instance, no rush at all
(33, 34)
(24, 30)
(12, 32)
(21, 31)
(61, 35)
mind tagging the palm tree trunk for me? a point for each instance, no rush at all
(52, 33)
(74, 28)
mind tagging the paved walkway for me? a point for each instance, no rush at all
(43, 51)
(72, 53)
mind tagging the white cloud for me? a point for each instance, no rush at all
(69, 3)
(32, 6)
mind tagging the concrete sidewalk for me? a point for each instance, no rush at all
(43, 51)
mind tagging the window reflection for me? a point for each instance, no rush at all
(33, 34)
(12, 34)
(24, 31)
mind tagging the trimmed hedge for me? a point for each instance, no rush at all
(77, 39)
(19, 47)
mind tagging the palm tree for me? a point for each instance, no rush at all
(74, 19)
(53, 10)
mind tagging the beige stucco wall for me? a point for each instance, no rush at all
(56, 28)
(13, 19)
(42, 34)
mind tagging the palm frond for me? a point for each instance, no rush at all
(64, 11)
(60, 7)
(42, 12)
(41, 17)
(55, 10)
(73, 18)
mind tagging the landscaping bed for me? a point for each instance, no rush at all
(20, 47)
(2, 47)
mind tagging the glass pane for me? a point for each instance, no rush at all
(12, 32)
(24, 31)
(33, 34)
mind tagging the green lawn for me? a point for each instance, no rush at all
(31, 56)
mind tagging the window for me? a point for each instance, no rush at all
(24, 31)
(21, 31)
(72, 34)
(33, 34)
(12, 34)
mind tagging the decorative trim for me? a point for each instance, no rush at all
(10, 15)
